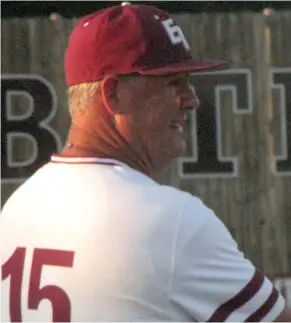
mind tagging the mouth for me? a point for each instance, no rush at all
(178, 126)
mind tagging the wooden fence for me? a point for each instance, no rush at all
(244, 121)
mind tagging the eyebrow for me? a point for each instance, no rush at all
(182, 77)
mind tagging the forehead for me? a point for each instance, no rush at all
(180, 75)
(146, 85)
(163, 79)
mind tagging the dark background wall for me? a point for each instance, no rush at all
(79, 8)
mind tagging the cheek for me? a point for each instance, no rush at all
(154, 112)
(164, 108)
(170, 98)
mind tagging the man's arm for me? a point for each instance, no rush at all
(285, 315)
(213, 281)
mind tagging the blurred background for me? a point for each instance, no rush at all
(239, 141)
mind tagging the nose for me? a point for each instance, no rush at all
(189, 98)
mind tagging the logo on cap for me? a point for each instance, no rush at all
(175, 33)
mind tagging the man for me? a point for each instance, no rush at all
(91, 236)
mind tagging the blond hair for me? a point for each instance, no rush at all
(80, 96)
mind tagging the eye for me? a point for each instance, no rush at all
(179, 81)
(175, 82)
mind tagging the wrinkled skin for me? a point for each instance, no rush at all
(137, 120)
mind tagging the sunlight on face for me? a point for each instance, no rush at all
(159, 107)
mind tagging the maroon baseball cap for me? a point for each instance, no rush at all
(128, 39)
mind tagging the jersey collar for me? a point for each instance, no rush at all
(86, 160)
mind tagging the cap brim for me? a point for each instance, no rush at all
(191, 65)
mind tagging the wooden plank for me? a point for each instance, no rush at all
(280, 27)
(15, 55)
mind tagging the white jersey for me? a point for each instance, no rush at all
(88, 239)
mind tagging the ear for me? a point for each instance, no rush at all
(116, 95)
(109, 94)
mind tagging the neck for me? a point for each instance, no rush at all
(82, 143)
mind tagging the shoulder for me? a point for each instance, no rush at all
(189, 205)
(211, 278)
(179, 209)
(194, 215)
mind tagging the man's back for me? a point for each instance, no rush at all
(102, 235)
(99, 241)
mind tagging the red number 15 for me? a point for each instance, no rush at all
(14, 267)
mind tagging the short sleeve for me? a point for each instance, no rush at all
(212, 280)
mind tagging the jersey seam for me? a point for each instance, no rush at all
(173, 257)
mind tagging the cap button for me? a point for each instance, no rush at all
(125, 4)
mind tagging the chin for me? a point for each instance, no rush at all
(179, 149)
(171, 150)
